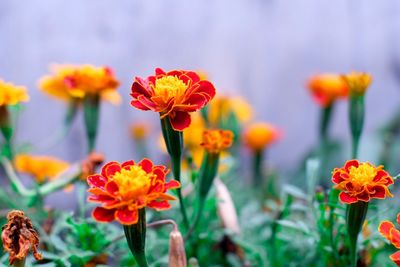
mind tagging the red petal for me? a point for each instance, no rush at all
(103, 215)
(384, 228)
(336, 178)
(380, 192)
(110, 169)
(112, 188)
(172, 184)
(396, 258)
(96, 181)
(159, 71)
(147, 103)
(127, 164)
(180, 120)
(146, 165)
(395, 237)
(398, 218)
(140, 87)
(126, 216)
(139, 105)
(161, 205)
(346, 198)
(350, 163)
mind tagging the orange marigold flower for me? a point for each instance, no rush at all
(19, 237)
(358, 82)
(70, 81)
(173, 94)
(389, 231)
(326, 88)
(140, 130)
(11, 94)
(123, 189)
(361, 181)
(42, 168)
(260, 135)
(215, 141)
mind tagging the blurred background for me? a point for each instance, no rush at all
(263, 50)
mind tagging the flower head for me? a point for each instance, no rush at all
(19, 237)
(11, 94)
(215, 141)
(358, 82)
(123, 189)
(140, 131)
(173, 94)
(221, 107)
(74, 82)
(327, 88)
(260, 135)
(361, 181)
(42, 168)
(389, 231)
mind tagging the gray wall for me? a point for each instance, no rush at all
(262, 49)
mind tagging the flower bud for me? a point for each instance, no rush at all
(177, 254)
(226, 207)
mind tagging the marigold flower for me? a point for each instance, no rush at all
(69, 81)
(140, 131)
(389, 231)
(326, 88)
(221, 107)
(361, 181)
(358, 82)
(11, 94)
(42, 168)
(260, 135)
(215, 141)
(173, 94)
(123, 189)
(19, 237)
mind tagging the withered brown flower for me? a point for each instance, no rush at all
(19, 237)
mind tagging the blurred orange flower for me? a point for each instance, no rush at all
(139, 130)
(11, 94)
(41, 168)
(221, 107)
(173, 94)
(361, 181)
(70, 81)
(260, 135)
(326, 88)
(389, 231)
(215, 141)
(358, 82)
(123, 189)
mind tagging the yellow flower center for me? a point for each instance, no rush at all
(363, 175)
(168, 87)
(133, 183)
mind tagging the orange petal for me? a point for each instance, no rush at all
(126, 216)
(384, 229)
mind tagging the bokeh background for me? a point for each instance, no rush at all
(263, 50)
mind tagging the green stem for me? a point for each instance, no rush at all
(174, 143)
(136, 237)
(7, 131)
(16, 183)
(91, 106)
(325, 120)
(257, 168)
(355, 217)
(356, 119)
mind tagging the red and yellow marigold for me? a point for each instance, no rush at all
(389, 231)
(123, 189)
(173, 94)
(260, 135)
(215, 141)
(358, 82)
(11, 94)
(361, 181)
(327, 88)
(70, 81)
